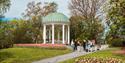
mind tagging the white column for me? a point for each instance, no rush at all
(63, 34)
(68, 34)
(58, 36)
(49, 35)
(66, 39)
(53, 34)
(44, 34)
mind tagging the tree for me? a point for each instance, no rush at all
(86, 8)
(81, 30)
(22, 32)
(5, 32)
(6, 35)
(34, 14)
(90, 23)
(116, 17)
(75, 28)
(4, 6)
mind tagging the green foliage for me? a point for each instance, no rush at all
(75, 29)
(15, 31)
(27, 55)
(22, 33)
(85, 28)
(117, 42)
(114, 42)
(5, 31)
(5, 35)
(117, 16)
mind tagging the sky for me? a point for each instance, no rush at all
(18, 7)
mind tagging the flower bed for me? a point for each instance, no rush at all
(119, 52)
(47, 46)
(98, 60)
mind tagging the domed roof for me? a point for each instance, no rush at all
(55, 18)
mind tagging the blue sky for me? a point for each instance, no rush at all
(19, 6)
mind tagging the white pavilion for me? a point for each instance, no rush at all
(56, 29)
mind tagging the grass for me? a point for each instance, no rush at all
(100, 54)
(27, 55)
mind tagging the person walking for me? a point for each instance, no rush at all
(79, 46)
(93, 45)
(72, 45)
(84, 45)
(89, 45)
(75, 45)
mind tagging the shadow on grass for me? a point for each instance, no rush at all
(5, 55)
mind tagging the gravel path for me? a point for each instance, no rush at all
(65, 57)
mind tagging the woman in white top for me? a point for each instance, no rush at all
(79, 46)
(72, 44)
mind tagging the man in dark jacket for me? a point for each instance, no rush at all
(75, 45)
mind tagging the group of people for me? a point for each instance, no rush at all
(85, 45)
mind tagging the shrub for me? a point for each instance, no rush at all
(117, 42)
(124, 43)
(21, 35)
(5, 36)
(5, 42)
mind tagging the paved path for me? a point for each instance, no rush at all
(64, 57)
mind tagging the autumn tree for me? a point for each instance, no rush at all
(89, 11)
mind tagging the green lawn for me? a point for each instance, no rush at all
(100, 54)
(27, 55)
